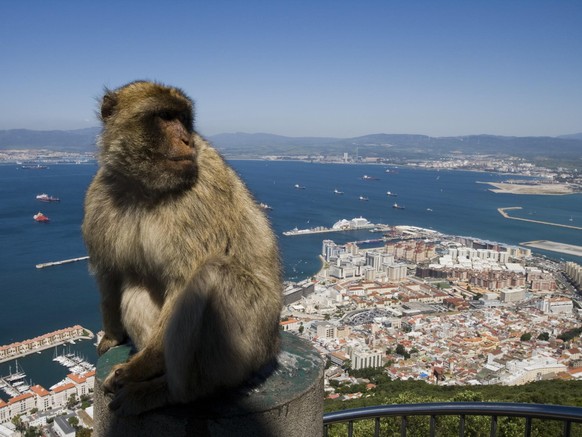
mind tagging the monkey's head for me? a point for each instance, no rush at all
(147, 137)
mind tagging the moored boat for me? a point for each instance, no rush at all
(46, 198)
(40, 217)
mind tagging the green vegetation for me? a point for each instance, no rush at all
(570, 334)
(410, 392)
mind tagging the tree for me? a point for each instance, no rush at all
(301, 328)
(526, 336)
(32, 431)
(544, 336)
(83, 432)
(72, 401)
(18, 423)
(401, 350)
(74, 421)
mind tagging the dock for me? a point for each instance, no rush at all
(343, 225)
(503, 212)
(58, 263)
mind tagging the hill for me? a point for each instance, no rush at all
(78, 140)
(549, 151)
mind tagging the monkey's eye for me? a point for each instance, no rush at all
(166, 115)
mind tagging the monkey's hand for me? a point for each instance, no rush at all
(107, 343)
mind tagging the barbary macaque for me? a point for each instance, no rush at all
(186, 261)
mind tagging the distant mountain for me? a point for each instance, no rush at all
(572, 136)
(402, 146)
(79, 140)
(552, 151)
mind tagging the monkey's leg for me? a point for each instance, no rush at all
(236, 330)
(142, 383)
(149, 362)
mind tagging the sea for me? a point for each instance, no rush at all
(37, 301)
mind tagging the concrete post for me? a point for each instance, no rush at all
(289, 402)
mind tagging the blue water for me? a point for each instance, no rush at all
(33, 302)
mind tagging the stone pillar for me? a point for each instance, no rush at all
(289, 402)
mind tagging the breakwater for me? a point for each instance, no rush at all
(503, 212)
(58, 263)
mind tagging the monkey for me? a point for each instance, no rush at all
(186, 262)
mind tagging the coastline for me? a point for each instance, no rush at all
(535, 189)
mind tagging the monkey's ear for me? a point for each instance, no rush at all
(108, 105)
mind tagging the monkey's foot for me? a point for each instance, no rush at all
(107, 343)
(136, 397)
(117, 379)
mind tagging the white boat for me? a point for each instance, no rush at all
(17, 375)
(336, 191)
(390, 193)
(299, 187)
(364, 198)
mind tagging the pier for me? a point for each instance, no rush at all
(58, 263)
(355, 224)
(503, 212)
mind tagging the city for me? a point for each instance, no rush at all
(443, 309)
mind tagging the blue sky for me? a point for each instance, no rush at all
(302, 68)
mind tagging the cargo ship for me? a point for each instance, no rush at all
(40, 217)
(46, 198)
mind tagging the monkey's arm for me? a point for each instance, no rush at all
(110, 287)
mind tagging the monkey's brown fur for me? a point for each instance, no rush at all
(186, 262)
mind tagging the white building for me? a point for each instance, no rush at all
(365, 359)
(512, 295)
(556, 305)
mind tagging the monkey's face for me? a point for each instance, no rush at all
(147, 136)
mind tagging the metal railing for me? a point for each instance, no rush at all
(435, 412)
